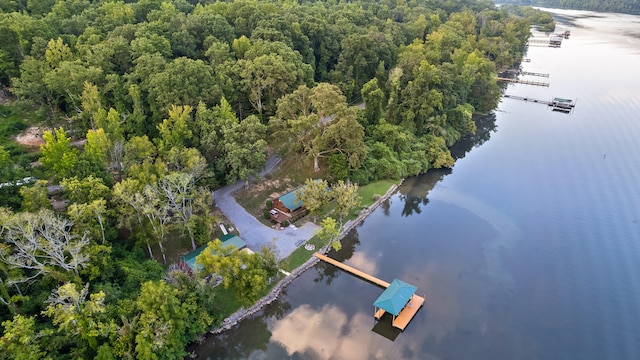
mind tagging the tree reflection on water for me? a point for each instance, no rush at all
(414, 190)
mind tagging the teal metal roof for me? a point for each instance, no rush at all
(229, 239)
(290, 200)
(395, 297)
(233, 240)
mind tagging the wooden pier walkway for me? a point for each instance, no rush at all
(526, 82)
(545, 102)
(534, 74)
(408, 312)
(354, 271)
(539, 41)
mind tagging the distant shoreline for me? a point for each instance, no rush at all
(243, 313)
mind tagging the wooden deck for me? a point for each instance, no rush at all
(406, 314)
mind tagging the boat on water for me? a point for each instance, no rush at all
(561, 104)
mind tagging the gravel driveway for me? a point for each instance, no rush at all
(252, 231)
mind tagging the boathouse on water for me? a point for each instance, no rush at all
(399, 298)
(394, 298)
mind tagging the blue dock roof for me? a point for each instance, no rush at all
(395, 297)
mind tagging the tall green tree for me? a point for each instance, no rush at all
(319, 123)
(270, 70)
(161, 323)
(246, 273)
(314, 195)
(77, 314)
(96, 153)
(359, 59)
(329, 233)
(35, 197)
(346, 197)
(85, 190)
(184, 81)
(20, 340)
(245, 148)
(57, 154)
(175, 130)
(91, 218)
(187, 160)
(373, 98)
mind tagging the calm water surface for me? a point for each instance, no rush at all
(529, 248)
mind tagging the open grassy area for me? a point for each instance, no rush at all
(300, 255)
(226, 298)
(369, 191)
(226, 301)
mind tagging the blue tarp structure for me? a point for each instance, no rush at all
(395, 297)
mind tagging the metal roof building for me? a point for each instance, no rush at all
(229, 239)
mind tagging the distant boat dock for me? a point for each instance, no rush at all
(525, 82)
(534, 74)
(399, 298)
(558, 104)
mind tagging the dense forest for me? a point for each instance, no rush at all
(149, 105)
(614, 6)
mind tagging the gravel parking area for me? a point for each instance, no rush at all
(252, 231)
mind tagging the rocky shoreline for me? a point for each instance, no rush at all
(243, 313)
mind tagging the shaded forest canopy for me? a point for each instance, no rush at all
(174, 98)
(614, 6)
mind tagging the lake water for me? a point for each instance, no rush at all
(529, 248)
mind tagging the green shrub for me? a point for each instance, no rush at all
(376, 197)
(269, 204)
(266, 215)
(284, 223)
(12, 127)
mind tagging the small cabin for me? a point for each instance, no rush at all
(288, 202)
(286, 206)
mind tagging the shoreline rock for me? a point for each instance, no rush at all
(243, 313)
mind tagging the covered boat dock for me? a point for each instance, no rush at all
(398, 299)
